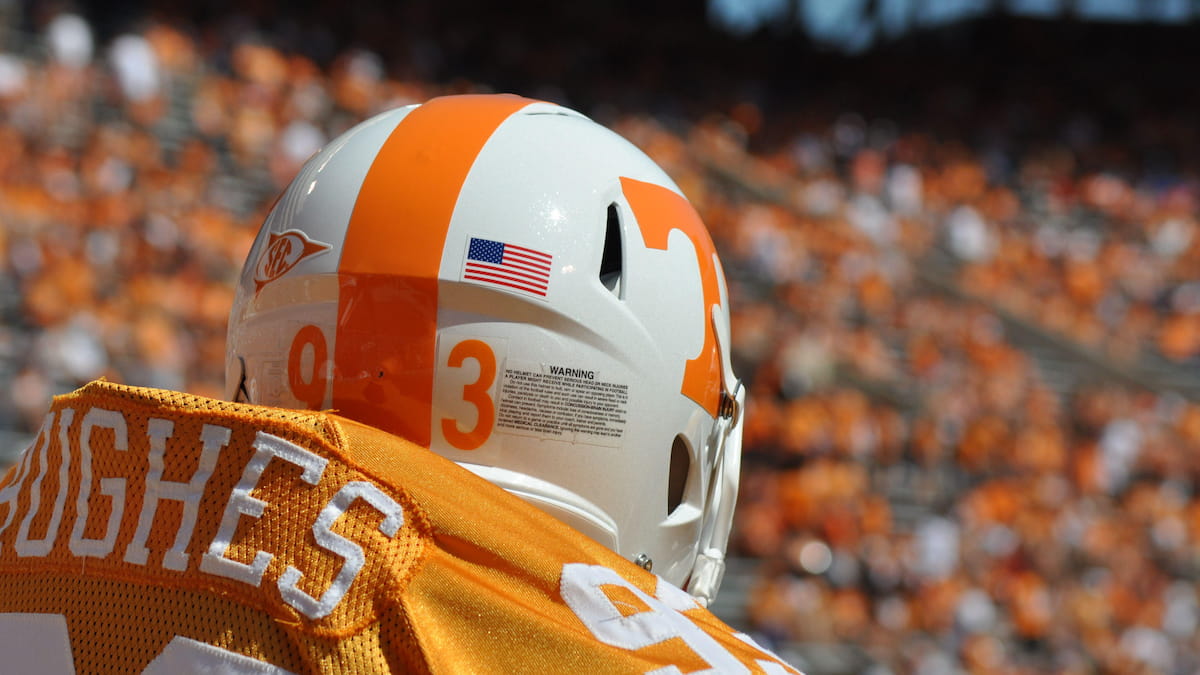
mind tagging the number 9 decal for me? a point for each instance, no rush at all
(308, 390)
(475, 393)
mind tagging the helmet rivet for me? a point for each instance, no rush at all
(643, 561)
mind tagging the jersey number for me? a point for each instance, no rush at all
(640, 620)
(39, 644)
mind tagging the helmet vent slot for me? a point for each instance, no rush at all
(681, 466)
(611, 261)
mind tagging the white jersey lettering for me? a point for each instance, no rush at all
(331, 541)
(24, 545)
(9, 494)
(157, 490)
(113, 488)
(242, 503)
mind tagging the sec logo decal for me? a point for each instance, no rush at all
(284, 251)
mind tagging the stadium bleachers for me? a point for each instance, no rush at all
(969, 320)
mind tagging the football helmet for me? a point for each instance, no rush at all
(522, 291)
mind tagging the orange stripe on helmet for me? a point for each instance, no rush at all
(388, 296)
(658, 211)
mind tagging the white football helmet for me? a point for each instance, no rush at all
(522, 291)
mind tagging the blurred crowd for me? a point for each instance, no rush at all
(917, 486)
(921, 488)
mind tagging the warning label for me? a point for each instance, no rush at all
(563, 403)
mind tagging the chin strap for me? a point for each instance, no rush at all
(709, 568)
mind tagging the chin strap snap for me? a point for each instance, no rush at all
(729, 408)
(706, 576)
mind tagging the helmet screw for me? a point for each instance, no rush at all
(643, 561)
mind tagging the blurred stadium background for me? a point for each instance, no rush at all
(961, 239)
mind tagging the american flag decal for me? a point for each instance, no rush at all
(502, 264)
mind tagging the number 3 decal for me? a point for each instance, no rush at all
(475, 393)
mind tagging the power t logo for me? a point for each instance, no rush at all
(283, 252)
(659, 211)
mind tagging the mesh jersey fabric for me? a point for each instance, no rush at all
(158, 523)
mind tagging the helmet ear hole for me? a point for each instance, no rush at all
(611, 260)
(681, 465)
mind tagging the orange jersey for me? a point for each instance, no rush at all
(147, 531)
